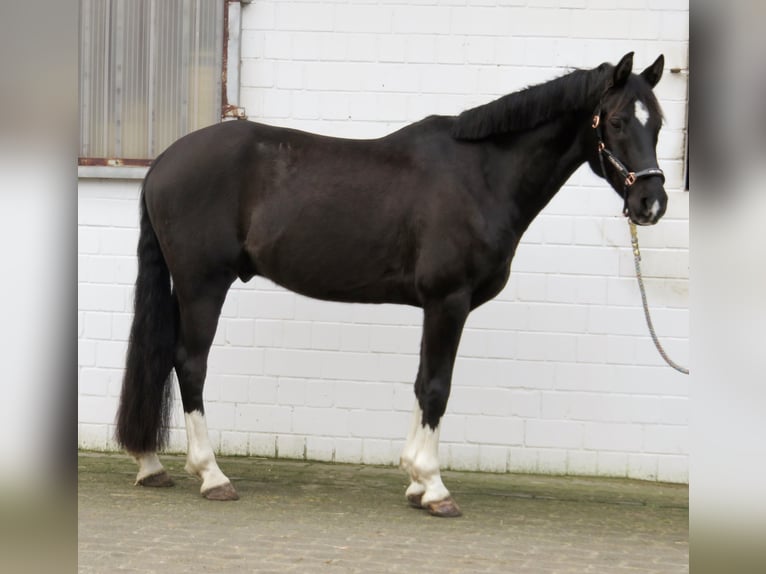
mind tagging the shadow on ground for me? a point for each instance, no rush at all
(296, 516)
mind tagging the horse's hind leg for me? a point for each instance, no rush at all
(150, 471)
(199, 313)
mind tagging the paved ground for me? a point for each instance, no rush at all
(317, 517)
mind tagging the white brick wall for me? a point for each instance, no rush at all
(556, 375)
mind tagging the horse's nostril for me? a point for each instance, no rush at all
(650, 207)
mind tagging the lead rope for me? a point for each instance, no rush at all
(637, 260)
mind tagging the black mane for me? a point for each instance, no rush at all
(534, 105)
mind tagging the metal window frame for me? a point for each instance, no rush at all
(685, 72)
(132, 168)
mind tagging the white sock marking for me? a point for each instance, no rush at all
(148, 464)
(427, 467)
(200, 460)
(411, 447)
(642, 112)
(420, 457)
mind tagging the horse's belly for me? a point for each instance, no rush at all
(350, 269)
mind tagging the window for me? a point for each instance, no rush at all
(150, 72)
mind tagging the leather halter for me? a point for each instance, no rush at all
(629, 177)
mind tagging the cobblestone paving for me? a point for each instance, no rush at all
(310, 517)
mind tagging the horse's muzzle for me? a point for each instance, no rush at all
(647, 205)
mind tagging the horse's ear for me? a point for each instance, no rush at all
(654, 72)
(623, 70)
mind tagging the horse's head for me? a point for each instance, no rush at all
(626, 124)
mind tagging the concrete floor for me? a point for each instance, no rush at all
(296, 516)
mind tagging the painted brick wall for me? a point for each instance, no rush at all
(557, 374)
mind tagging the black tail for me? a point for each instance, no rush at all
(144, 411)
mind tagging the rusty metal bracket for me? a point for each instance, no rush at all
(233, 111)
(113, 162)
(231, 55)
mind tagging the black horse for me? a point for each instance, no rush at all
(429, 216)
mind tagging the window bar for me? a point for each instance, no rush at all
(86, 78)
(107, 35)
(151, 119)
(185, 63)
(195, 53)
(119, 64)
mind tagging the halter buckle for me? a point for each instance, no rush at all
(631, 179)
(596, 121)
(601, 146)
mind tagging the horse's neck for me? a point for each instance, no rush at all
(542, 161)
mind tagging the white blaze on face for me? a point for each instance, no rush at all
(642, 112)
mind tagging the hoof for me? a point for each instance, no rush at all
(160, 479)
(223, 492)
(415, 500)
(446, 508)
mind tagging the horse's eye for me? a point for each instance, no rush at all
(615, 122)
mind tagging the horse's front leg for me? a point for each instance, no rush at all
(420, 458)
(442, 327)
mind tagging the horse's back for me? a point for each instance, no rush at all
(334, 218)
(328, 217)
